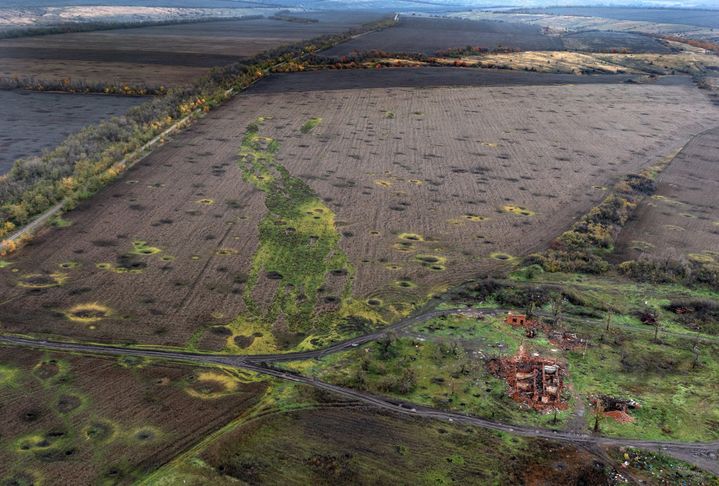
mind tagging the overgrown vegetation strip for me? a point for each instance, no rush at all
(85, 162)
(11, 242)
(84, 87)
(299, 244)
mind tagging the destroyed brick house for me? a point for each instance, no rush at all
(615, 408)
(533, 380)
(538, 380)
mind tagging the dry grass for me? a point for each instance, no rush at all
(689, 61)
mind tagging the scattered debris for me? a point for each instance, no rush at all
(615, 408)
(648, 317)
(619, 416)
(567, 340)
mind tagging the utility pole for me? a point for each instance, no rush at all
(557, 305)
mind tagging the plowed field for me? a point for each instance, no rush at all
(681, 221)
(408, 191)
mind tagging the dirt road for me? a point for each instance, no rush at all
(702, 454)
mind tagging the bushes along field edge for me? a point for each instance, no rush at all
(582, 248)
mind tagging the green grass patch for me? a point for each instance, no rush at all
(299, 248)
(60, 222)
(8, 375)
(437, 371)
(673, 384)
(310, 124)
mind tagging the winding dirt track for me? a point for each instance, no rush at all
(702, 454)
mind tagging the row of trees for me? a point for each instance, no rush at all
(687, 272)
(583, 247)
(88, 160)
(74, 27)
(80, 86)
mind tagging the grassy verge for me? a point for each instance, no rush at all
(441, 365)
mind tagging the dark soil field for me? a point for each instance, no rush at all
(599, 41)
(681, 221)
(429, 35)
(425, 77)
(342, 445)
(32, 122)
(456, 174)
(81, 420)
(179, 52)
(419, 188)
(697, 17)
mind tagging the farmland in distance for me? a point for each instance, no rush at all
(168, 55)
(34, 121)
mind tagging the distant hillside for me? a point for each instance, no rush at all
(402, 5)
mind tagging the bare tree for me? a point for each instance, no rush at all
(598, 411)
(557, 310)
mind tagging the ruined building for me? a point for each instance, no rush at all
(533, 380)
(516, 319)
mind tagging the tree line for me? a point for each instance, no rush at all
(86, 161)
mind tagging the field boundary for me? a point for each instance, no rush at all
(127, 162)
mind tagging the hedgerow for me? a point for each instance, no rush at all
(583, 247)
